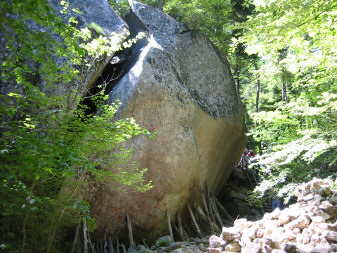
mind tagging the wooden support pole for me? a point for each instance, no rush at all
(200, 211)
(99, 246)
(111, 247)
(85, 238)
(73, 247)
(212, 225)
(224, 210)
(92, 245)
(124, 249)
(169, 225)
(185, 234)
(132, 243)
(180, 227)
(207, 212)
(180, 235)
(197, 228)
(144, 243)
(117, 246)
(209, 204)
(217, 215)
(204, 202)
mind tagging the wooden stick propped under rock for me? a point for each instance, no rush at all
(194, 220)
(224, 210)
(180, 226)
(212, 225)
(169, 225)
(132, 243)
(216, 212)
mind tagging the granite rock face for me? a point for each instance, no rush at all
(180, 86)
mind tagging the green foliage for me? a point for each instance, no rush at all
(121, 7)
(99, 30)
(209, 17)
(305, 28)
(161, 243)
(47, 139)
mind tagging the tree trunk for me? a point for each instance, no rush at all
(257, 95)
(284, 87)
(24, 235)
(237, 79)
(237, 82)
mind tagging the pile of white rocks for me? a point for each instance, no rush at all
(307, 226)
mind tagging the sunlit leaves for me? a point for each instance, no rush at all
(306, 28)
(210, 17)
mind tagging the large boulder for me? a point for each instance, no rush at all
(180, 86)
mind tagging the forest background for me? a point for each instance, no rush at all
(283, 56)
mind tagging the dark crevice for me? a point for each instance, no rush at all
(117, 68)
(108, 79)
